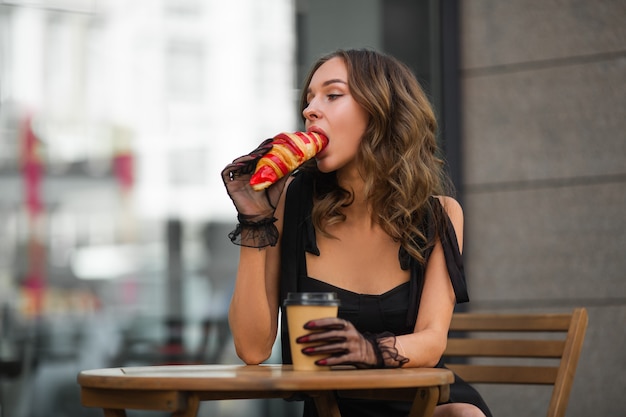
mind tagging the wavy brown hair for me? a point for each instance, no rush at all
(398, 156)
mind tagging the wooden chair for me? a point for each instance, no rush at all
(483, 354)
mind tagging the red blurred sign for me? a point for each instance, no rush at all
(32, 173)
(32, 168)
(123, 167)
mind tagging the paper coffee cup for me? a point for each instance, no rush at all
(302, 307)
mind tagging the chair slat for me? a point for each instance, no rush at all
(510, 322)
(505, 348)
(542, 375)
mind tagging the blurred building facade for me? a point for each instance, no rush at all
(544, 177)
(116, 118)
(115, 121)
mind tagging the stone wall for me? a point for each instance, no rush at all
(544, 134)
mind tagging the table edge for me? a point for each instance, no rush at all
(279, 377)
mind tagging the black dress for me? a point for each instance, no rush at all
(394, 311)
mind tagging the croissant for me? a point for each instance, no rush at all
(289, 151)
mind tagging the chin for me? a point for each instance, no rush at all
(324, 168)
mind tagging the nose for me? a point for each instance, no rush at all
(310, 112)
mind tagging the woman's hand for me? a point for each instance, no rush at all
(347, 346)
(236, 178)
(255, 209)
(344, 344)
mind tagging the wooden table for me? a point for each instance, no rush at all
(179, 389)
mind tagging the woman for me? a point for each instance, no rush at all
(367, 218)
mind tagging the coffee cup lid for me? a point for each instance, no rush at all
(312, 299)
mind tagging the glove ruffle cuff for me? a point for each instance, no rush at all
(387, 355)
(254, 233)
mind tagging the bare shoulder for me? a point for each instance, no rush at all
(452, 207)
(455, 213)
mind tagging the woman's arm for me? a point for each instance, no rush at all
(253, 313)
(425, 346)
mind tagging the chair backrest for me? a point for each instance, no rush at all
(491, 345)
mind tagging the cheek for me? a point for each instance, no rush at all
(352, 146)
(359, 126)
(353, 126)
(340, 155)
(356, 132)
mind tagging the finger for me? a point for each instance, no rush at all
(263, 148)
(329, 349)
(250, 159)
(243, 159)
(230, 172)
(336, 360)
(332, 336)
(241, 166)
(322, 338)
(331, 323)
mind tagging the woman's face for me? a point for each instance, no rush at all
(332, 110)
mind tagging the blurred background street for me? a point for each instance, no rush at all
(115, 120)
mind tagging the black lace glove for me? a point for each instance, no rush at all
(255, 209)
(347, 346)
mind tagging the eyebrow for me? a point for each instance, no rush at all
(329, 82)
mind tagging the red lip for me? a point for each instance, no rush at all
(317, 130)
